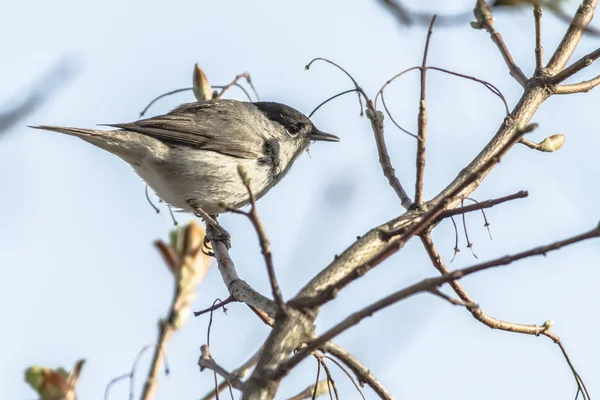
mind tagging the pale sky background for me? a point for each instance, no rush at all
(80, 278)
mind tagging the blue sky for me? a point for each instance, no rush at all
(82, 280)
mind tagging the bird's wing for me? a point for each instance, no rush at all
(224, 126)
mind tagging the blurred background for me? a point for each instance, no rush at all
(81, 279)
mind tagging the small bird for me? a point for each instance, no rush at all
(190, 156)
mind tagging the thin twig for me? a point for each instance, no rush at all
(131, 374)
(314, 394)
(464, 222)
(340, 366)
(485, 20)
(265, 245)
(391, 116)
(237, 287)
(240, 372)
(330, 380)
(488, 85)
(380, 93)
(216, 385)
(166, 330)
(581, 87)
(222, 87)
(574, 68)
(150, 201)
(210, 320)
(112, 382)
(539, 50)
(329, 99)
(215, 306)
(456, 248)
(486, 223)
(206, 361)
(423, 286)
(422, 123)
(234, 82)
(490, 321)
(359, 91)
(580, 384)
(455, 302)
(363, 374)
(571, 39)
(377, 126)
(483, 204)
(577, 66)
(397, 235)
(384, 158)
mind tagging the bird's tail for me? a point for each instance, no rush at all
(130, 146)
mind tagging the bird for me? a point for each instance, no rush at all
(190, 156)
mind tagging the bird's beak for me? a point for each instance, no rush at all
(317, 135)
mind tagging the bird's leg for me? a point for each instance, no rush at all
(218, 232)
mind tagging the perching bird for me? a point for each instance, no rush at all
(190, 156)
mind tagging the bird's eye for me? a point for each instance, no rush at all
(293, 130)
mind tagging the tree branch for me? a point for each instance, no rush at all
(206, 361)
(265, 246)
(422, 123)
(376, 119)
(483, 204)
(239, 372)
(574, 68)
(569, 42)
(492, 322)
(539, 50)
(425, 285)
(580, 87)
(485, 20)
(363, 374)
(238, 288)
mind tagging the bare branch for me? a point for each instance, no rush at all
(387, 239)
(376, 119)
(488, 85)
(574, 68)
(215, 306)
(331, 98)
(580, 87)
(539, 49)
(425, 285)
(483, 204)
(389, 172)
(569, 42)
(206, 361)
(422, 123)
(485, 20)
(234, 82)
(492, 322)
(166, 330)
(185, 258)
(238, 288)
(363, 374)
(240, 372)
(265, 246)
(455, 302)
(330, 381)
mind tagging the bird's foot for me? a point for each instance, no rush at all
(214, 231)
